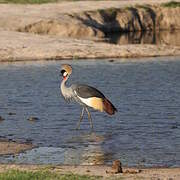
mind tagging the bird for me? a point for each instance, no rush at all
(87, 96)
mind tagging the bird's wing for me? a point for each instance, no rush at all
(85, 91)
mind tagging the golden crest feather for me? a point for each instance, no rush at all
(67, 68)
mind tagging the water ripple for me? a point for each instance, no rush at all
(145, 131)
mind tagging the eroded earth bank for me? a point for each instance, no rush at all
(76, 30)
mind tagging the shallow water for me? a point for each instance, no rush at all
(145, 37)
(144, 132)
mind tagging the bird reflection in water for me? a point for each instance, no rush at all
(89, 152)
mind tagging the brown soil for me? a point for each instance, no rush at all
(95, 24)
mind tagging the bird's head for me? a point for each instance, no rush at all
(66, 70)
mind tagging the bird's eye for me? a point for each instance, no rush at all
(62, 72)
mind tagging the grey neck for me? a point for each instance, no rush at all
(66, 91)
(63, 83)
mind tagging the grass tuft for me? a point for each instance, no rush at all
(42, 175)
(146, 7)
(171, 4)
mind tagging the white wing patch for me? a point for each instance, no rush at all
(86, 101)
(94, 102)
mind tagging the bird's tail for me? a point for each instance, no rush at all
(109, 107)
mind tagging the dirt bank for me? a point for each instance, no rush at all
(129, 173)
(15, 46)
(89, 19)
(97, 23)
(73, 30)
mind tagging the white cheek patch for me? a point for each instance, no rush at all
(65, 74)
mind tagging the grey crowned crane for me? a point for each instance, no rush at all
(85, 95)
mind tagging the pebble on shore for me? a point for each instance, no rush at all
(33, 119)
(11, 113)
(1, 118)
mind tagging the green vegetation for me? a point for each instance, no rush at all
(42, 175)
(146, 6)
(75, 57)
(171, 4)
(27, 1)
(111, 10)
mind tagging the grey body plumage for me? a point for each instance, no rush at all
(86, 91)
(74, 91)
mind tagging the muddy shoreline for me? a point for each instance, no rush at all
(100, 171)
(13, 147)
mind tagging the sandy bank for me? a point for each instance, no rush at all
(73, 30)
(129, 173)
(15, 46)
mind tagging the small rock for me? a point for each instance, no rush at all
(33, 119)
(111, 60)
(117, 166)
(11, 113)
(28, 140)
(132, 171)
(174, 127)
(1, 119)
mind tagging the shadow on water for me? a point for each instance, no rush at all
(145, 37)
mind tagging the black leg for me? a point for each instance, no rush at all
(81, 117)
(89, 118)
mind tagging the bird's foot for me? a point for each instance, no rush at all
(77, 127)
